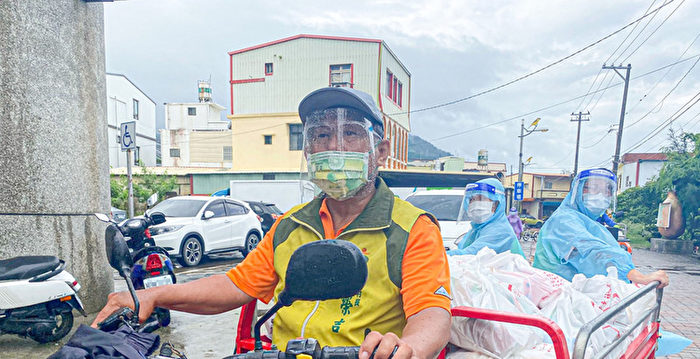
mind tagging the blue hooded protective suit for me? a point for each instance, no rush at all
(495, 233)
(571, 241)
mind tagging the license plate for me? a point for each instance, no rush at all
(157, 281)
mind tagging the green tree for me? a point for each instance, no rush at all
(681, 173)
(145, 184)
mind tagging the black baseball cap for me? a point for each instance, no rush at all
(331, 97)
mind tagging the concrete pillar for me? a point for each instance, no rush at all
(54, 168)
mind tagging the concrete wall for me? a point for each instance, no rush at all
(207, 116)
(54, 170)
(250, 153)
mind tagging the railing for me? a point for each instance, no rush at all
(643, 345)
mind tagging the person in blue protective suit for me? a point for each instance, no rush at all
(484, 205)
(606, 219)
(572, 241)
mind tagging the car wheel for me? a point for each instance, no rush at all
(191, 252)
(251, 242)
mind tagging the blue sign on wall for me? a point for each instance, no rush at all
(519, 186)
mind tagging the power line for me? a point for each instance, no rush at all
(597, 142)
(664, 98)
(664, 76)
(653, 32)
(536, 71)
(611, 55)
(665, 123)
(636, 37)
(557, 104)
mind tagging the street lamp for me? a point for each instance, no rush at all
(524, 132)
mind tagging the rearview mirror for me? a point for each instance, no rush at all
(152, 200)
(322, 270)
(102, 217)
(208, 214)
(117, 250)
(157, 218)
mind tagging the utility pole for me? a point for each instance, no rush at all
(578, 117)
(616, 160)
(524, 132)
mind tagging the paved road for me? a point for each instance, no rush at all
(213, 336)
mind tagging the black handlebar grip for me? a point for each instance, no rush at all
(340, 353)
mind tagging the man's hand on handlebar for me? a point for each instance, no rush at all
(120, 300)
(388, 346)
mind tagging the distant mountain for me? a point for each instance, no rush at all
(420, 149)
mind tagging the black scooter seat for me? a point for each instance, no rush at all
(26, 267)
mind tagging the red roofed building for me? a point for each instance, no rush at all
(638, 168)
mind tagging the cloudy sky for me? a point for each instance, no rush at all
(454, 49)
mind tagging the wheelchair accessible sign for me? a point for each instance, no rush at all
(128, 135)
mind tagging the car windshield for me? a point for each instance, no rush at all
(444, 207)
(179, 207)
(273, 209)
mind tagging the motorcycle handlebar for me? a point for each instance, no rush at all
(325, 353)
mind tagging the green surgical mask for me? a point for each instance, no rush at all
(339, 174)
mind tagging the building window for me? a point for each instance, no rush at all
(341, 75)
(547, 184)
(268, 69)
(191, 111)
(228, 153)
(268, 139)
(296, 137)
(268, 176)
(389, 83)
(398, 100)
(396, 86)
(175, 152)
(119, 139)
(136, 109)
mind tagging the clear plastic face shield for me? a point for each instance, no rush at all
(480, 202)
(595, 189)
(339, 144)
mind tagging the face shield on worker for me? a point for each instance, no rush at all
(343, 134)
(484, 206)
(480, 202)
(339, 144)
(593, 192)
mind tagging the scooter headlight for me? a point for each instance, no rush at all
(164, 229)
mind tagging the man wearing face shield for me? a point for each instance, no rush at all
(571, 241)
(484, 205)
(404, 309)
(405, 303)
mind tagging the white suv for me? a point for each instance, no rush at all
(444, 204)
(198, 226)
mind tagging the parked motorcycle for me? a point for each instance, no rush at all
(151, 265)
(37, 298)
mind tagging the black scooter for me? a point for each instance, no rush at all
(152, 266)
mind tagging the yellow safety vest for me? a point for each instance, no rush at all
(381, 232)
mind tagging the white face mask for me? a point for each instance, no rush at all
(596, 203)
(480, 211)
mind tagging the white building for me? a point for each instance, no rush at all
(269, 80)
(638, 168)
(194, 134)
(126, 102)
